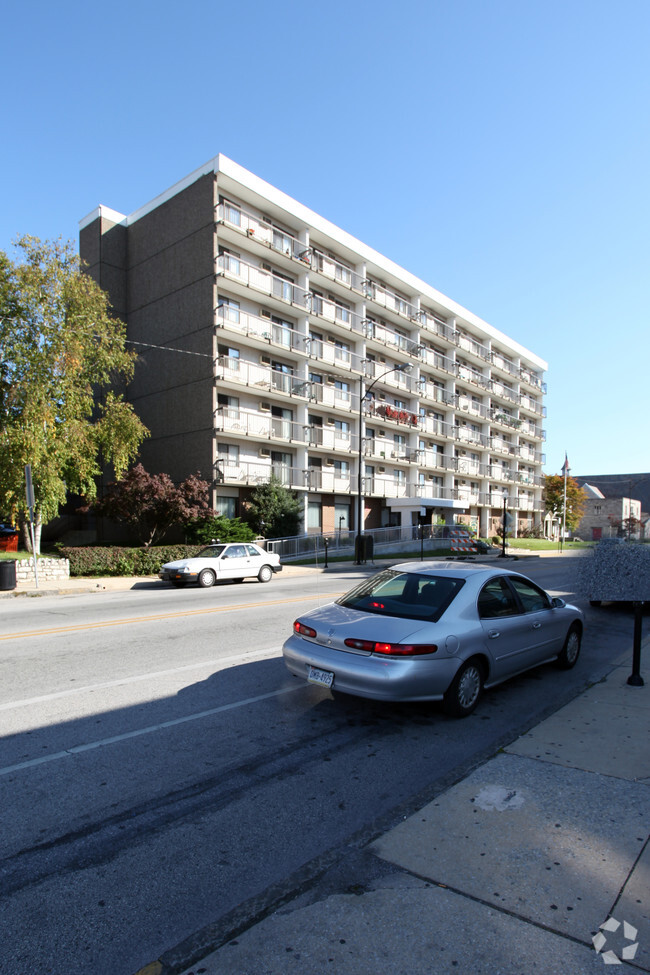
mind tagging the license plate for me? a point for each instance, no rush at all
(322, 677)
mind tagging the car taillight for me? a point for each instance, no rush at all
(303, 630)
(392, 649)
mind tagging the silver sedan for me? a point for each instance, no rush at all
(437, 631)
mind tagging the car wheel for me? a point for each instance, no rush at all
(206, 578)
(465, 690)
(265, 574)
(571, 649)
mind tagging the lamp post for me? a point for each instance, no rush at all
(362, 396)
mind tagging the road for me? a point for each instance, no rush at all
(161, 772)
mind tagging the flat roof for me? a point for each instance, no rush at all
(222, 164)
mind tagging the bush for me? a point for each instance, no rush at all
(119, 561)
(203, 530)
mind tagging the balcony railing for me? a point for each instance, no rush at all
(260, 378)
(435, 326)
(280, 335)
(259, 279)
(331, 311)
(256, 229)
(335, 271)
(379, 332)
(436, 360)
(532, 379)
(469, 375)
(388, 299)
(469, 344)
(501, 362)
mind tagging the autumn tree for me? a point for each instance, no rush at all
(151, 504)
(576, 499)
(64, 362)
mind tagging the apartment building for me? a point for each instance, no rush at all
(272, 341)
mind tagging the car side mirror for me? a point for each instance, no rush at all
(558, 603)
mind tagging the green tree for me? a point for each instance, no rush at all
(274, 510)
(222, 529)
(576, 499)
(64, 360)
(151, 504)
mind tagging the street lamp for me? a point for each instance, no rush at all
(362, 396)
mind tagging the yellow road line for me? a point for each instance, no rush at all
(165, 616)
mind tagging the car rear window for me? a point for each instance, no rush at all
(408, 595)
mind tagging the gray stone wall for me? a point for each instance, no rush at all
(49, 570)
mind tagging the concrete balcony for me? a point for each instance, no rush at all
(333, 270)
(246, 276)
(262, 232)
(388, 300)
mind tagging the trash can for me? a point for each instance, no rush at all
(363, 548)
(7, 574)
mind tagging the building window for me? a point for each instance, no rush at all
(341, 468)
(226, 507)
(232, 213)
(314, 515)
(342, 429)
(229, 310)
(342, 312)
(342, 516)
(341, 351)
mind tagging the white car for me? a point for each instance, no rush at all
(236, 561)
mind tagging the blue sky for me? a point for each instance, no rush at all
(499, 150)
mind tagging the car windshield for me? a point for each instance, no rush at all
(213, 552)
(409, 595)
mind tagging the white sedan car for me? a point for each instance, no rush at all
(236, 561)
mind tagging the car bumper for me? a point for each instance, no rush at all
(374, 676)
(171, 576)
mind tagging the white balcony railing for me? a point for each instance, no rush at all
(388, 299)
(260, 230)
(261, 280)
(335, 271)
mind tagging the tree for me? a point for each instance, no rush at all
(151, 503)
(274, 510)
(576, 499)
(64, 360)
(629, 527)
(220, 528)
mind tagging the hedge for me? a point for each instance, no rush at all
(116, 561)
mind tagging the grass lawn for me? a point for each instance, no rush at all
(543, 544)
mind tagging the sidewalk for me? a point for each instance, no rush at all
(509, 872)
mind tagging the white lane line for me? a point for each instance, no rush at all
(119, 681)
(77, 749)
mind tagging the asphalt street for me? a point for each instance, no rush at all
(161, 774)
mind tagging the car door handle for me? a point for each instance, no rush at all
(536, 626)
(493, 634)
